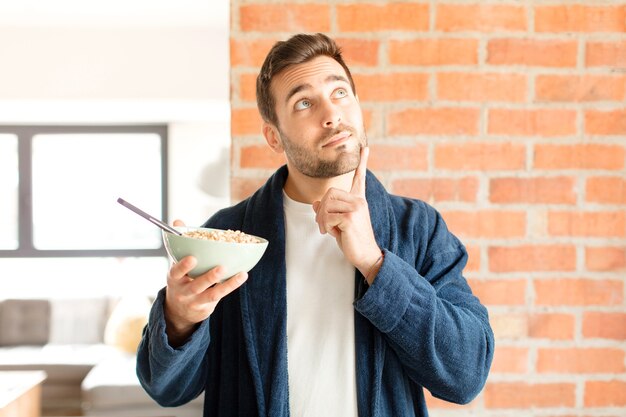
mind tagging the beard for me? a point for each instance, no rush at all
(308, 161)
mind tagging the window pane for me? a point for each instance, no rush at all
(82, 277)
(77, 179)
(9, 192)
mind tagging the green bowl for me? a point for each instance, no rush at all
(234, 257)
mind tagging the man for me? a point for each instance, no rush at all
(359, 302)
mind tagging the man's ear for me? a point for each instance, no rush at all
(272, 137)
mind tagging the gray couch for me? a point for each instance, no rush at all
(66, 339)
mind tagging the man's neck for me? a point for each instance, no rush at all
(304, 189)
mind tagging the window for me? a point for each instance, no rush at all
(61, 217)
(8, 191)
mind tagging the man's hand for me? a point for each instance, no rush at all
(189, 301)
(345, 216)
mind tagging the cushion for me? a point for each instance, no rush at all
(24, 322)
(113, 383)
(61, 362)
(78, 321)
(125, 326)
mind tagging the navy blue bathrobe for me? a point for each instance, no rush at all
(417, 327)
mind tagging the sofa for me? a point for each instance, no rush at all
(87, 349)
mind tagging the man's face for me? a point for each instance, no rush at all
(320, 120)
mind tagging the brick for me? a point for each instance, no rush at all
(247, 87)
(486, 223)
(578, 292)
(391, 86)
(604, 325)
(509, 326)
(553, 326)
(260, 156)
(436, 403)
(241, 188)
(510, 360)
(480, 156)
(285, 17)
(606, 54)
(592, 224)
(433, 121)
(571, 415)
(605, 122)
(580, 360)
(249, 52)
(580, 18)
(532, 258)
(606, 190)
(541, 190)
(473, 258)
(532, 52)
(438, 189)
(371, 122)
(579, 156)
(525, 395)
(543, 122)
(605, 393)
(580, 88)
(363, 17)
(391, 158)
(605, 258)
(359, 51)
(433, 52)
(459, 86)
(508, 292)
(480, 17)
(245, 121)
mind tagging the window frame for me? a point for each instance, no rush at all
(25, 134)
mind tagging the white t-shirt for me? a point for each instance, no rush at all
(320, 319)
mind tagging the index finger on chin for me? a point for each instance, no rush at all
(358, 183)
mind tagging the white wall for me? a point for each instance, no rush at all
(146, 63)
(160, 61)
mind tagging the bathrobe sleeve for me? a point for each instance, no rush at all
(424, 307)
(172, 377)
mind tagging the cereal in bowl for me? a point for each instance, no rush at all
(233, 236)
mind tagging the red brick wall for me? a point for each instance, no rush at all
(510, 118)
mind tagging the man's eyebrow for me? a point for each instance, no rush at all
(335, 77)
(305, 86)
(296, 90)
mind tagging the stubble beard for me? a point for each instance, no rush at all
(311, 165)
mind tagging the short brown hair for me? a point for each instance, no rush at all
(296, 50)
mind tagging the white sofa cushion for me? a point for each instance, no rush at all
(112, 387)
(78, 321)
(61, 362)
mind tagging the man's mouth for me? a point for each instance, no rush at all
(337, 139)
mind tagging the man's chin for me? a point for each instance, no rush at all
(344, 164)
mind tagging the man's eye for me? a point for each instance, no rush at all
(303, 104)
(341, 93)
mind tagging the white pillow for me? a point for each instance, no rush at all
(125, 326)
(78, 321)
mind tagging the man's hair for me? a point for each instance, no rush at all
(296, 50)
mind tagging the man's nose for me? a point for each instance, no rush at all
(331, 115)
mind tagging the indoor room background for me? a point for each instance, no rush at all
(509, 117)
(125, 67)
